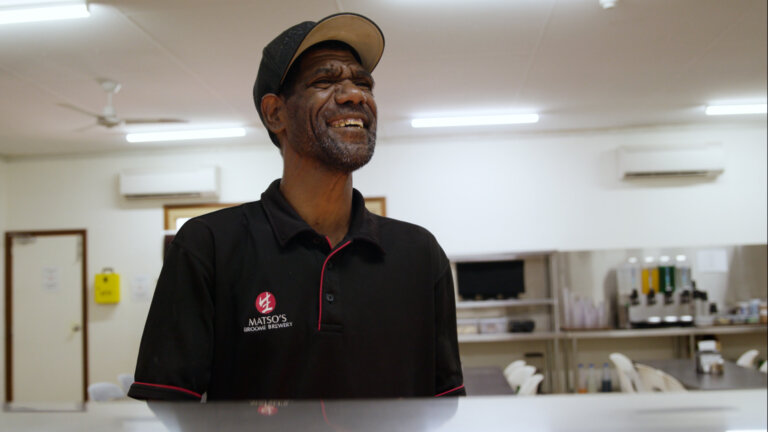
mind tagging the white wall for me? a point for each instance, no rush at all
(73, 193)
(497, 193)
(477, 194)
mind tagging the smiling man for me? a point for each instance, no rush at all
(305, 294)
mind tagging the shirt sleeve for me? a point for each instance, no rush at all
(177, 344)
(449, 380)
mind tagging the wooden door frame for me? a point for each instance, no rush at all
(9, 235)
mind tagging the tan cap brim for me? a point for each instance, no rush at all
(357, 31)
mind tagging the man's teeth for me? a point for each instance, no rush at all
(347, 123)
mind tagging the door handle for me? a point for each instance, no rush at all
(76, 328)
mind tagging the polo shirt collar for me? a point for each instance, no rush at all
(287, 224)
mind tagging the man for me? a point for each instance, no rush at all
(305, 294)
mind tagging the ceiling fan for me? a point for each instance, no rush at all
(108, 117)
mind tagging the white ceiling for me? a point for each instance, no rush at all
(644, 62)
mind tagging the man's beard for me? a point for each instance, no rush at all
(341, 156)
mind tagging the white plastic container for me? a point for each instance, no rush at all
(467, 326)
(494, 325)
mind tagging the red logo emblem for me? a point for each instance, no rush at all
(265, 302)
(267, 410)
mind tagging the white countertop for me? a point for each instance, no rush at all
(716, 411)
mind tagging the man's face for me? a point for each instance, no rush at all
(331, 110)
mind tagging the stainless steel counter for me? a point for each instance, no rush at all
(486, 381)
(733, 376)
(716, 411)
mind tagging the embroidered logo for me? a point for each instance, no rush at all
(266, 303)
(267, 410)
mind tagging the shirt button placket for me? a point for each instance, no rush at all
(331, 308)
(330, 312)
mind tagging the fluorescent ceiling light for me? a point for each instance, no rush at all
(735, 109)
(43, 12)
(475, 120)
(184, 135)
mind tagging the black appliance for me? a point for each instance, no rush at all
(490, 279)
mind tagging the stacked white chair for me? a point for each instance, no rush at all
(517, 377)
(747, 360)
(764, 367)
(512, 366)
(125, 380)
(530, 386)
(673, 385)
(629, 379)
(656, 380)
(105, 391)
(652, 381)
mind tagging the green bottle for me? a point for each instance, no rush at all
(666, 275)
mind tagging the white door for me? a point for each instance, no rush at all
(47, 318)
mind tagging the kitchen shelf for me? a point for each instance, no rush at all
(684, 336)
(665, 332)
(613, 334)
(506, 256)
(628, 333)
(560, 345)
(507, 337)
(541, 296)
(731, 329)
(476, 304)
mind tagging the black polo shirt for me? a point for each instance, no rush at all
(252, 303)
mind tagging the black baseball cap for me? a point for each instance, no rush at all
(357, 31)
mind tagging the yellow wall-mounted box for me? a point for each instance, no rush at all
(106, 287)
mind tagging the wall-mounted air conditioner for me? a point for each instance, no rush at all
(170, 183)
(707, 160)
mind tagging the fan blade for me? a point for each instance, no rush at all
(78, 109)
(85, 128)
(157, 120)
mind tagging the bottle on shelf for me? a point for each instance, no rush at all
(649, 276)
(581, 379)
(667, 287)
(684, 284)
(683, 273)
(606, 384)
(628, 282)
(666, 275)
(592, 379)
(628, 276)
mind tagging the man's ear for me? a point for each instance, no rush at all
(273, 110)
